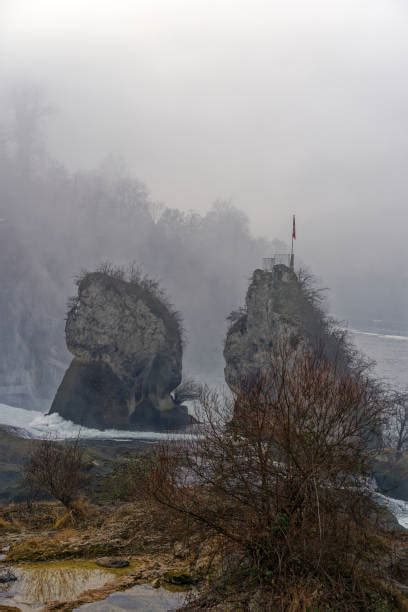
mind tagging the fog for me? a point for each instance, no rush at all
(275, 107)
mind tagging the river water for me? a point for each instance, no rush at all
(142, 597)
(389, 351)
(37, 584)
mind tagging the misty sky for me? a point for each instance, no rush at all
(279, 106)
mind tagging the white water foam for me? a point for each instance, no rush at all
(376, 335)
(398, 507)
(34, 424)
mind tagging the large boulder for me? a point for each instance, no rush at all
(127, 349)
(278, 303)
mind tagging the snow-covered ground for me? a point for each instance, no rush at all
(38, 425)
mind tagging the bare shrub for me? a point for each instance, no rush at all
(277, 477)
(125, 481)
(189, 390)
(57, 468)
(397, 429)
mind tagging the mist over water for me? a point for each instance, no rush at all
(167, 145)
(183, 139)
(390, 353)
(278, 107)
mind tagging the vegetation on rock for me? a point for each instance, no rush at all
(127, 345)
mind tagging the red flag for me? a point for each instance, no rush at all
(294, 228)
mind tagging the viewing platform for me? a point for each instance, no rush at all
(283, 259)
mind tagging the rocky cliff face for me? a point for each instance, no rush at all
(127, 351)
(277, 303)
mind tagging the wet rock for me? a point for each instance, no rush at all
(387, 521)
(7, 576)
(391, 475)
(179, 578)
(112, 562)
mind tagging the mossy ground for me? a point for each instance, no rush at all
(118, 529)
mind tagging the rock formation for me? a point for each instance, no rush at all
(127, 349)
(277, 303)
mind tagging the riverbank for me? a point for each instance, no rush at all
(56, 556)
(116, 556)
(61, 565)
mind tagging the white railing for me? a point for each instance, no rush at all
(279, 258)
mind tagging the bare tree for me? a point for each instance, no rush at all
(30, 112)
(156, 210)
(188, 390)
(277, 478)
(57, 468)
(398, 423)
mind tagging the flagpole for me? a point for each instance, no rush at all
(292, 258)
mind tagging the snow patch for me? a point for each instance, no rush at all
(376, 335)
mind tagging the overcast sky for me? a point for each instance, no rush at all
(281, 106)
